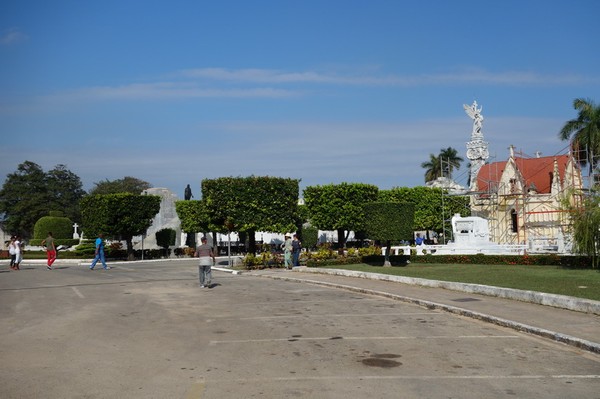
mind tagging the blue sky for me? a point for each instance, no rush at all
(173, 92)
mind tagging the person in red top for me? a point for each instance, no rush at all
(207, 259)
(48, 242)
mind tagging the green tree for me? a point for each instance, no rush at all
(586, 229)
(584, 132)
(127, 184)
(339, 207)
(166, 238)
(30, 193)
(121, 216)
(433, 168)
(449, 160)
(429, 212)
(389, 221)
(194, 217)
(250, 204)
(310, 237)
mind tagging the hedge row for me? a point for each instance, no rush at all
(546, 260)
(69, 242)
(578, 262)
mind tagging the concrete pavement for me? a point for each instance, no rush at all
(569, 320)
(146, 330)
(559, 323)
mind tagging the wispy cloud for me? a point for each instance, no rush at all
(12, 36)
(276, 84)
(457, 77)
(165, 91)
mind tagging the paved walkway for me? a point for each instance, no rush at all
(520, 310)
(579, 329)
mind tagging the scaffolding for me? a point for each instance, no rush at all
(520, 215)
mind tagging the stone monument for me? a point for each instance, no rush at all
(477, 148)
(165, 218)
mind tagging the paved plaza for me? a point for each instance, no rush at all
(146, 330)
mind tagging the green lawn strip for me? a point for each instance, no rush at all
(581, 283)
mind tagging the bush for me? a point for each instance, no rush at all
(184, 252)
(379, 260)
(165, 238)
(481, 259)
(60, 226)
(371, 250)
(310, 237)
(342, 260)
(69, 242)
(85, 249)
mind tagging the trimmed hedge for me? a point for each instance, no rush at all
(345, 260)
(70, 242)
(570, 261)
(60, 226)
(378, 260)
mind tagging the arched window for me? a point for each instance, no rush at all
(515, 221)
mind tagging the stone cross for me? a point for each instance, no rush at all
(75, 234)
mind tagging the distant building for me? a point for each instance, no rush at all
(523, 200)
(448, 185)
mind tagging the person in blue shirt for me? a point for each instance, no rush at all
(99, 255)
(419, 239)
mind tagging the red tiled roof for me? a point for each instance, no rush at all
(534, 170)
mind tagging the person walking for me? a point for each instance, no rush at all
(206, 257)
(287, 251)
(296, 247)
(18, 248)
(99, 254)
(12, 252)
(48, 243)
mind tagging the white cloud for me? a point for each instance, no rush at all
(274, 84)
(384, 154)
(167, 91)
(457, 77)
(12, 36)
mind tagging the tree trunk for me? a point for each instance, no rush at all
(341, 241)
(387, 262)
(130, 253)
(252, 242)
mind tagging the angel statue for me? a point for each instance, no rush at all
(475, 114)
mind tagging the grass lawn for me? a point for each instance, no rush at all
(581, 283)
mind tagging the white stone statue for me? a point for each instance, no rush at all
(475, 114)
(477, 148)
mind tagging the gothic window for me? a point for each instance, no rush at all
(513, 185)
(514, 221)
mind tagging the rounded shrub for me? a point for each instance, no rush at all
(60, 226)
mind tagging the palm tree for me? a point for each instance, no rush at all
(450, 160)
(433, 168)
(584, 132)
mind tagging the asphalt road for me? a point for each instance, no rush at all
(146, 330)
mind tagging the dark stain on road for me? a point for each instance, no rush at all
(382, 360)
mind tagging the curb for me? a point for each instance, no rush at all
(555, 336)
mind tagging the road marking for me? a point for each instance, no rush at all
(248, 341)
(414, 377)
(79, 294)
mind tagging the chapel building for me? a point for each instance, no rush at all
(524, 199)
